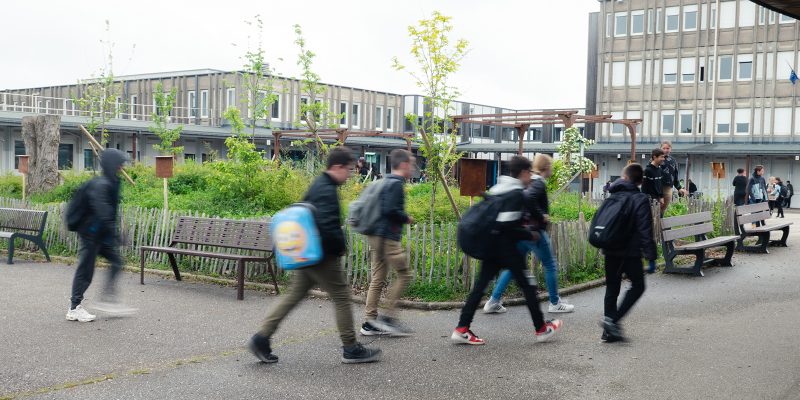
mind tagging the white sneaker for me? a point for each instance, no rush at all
(561, 307)
(80, 314)
(494, 307)
(114, 308)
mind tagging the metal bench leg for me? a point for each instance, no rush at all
(726, 262)
(141, 266)
(39, 242)
(740, 243)
(240, 280)
(271, 268)
(782, 241)
(699, 259)
(11, 250)
(174, 265)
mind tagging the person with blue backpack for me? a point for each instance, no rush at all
(537, 211)
(497, 248)
(328, 273)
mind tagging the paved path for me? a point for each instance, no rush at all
(734, 334)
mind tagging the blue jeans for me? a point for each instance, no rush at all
(544, 253)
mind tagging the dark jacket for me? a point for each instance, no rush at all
(669, 173)
(653, 184)
(641, 243)
(755, 179)
(323, 196)
(510, 218)
(103, 197)
(536, 204)
(393, 213)
(739, 186)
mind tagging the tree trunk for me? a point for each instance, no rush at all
(433, 201)
(42, 135)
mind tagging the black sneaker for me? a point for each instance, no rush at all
(259, 346)
(612, 332)
(357, 353)
(391, 326)
(368, 329)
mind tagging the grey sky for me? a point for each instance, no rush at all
(523, 54)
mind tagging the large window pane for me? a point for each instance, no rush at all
(637, 23)
(690, 20)
(725, 68)
(65, 156)
(673, 19)
(668, 123)
(686, 122)
(621, 24)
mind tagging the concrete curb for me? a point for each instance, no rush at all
(267, 287)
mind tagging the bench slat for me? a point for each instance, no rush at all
(768, 227)
(22, 219)
(246, 235)
(751, 208)
(704, 244)
(189, 252)
(754, 217)
(687, 219)
(678, 233)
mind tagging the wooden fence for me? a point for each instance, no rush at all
(431, 248)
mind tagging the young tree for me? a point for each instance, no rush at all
(437, 60)
(160, 117)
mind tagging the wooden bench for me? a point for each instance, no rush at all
(758, 213)
(23, 224)
(697, 225)
(232, 234)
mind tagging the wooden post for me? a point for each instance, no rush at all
(632, 130)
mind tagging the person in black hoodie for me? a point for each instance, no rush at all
(509, 223)
(99, 235)
(653, 185)
(328, 274)
(628, 261)
(387, 250)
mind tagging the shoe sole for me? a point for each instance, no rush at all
(389, 331)
(460, 340)
(494, 311)
(80, 319)
(252, 349)
(365, 332)
(373, 358)
(560, 311)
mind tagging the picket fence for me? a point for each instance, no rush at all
(431, 247)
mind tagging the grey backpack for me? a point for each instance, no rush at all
(365, 211)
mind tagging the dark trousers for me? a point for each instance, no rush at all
(514, 262)
(779, 205)
(87, 255)
(615, 267)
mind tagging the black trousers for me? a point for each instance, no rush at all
(87, 255)
(515, 262)
(615, 267)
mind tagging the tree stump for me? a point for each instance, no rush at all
(42, 135)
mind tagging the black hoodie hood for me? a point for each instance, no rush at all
(622, 185)
(110, 161)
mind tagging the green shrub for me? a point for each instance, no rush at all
(11, 186)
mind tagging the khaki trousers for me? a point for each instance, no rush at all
(385, 254)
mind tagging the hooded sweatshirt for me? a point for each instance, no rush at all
(641, 243)
(103, 196)
(509, 220)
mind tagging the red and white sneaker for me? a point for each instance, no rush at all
(548, 330)
(463, 335)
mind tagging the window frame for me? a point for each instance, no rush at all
(665, 114)
(667, 14)
(617, 25)
(688, 9)
(191, 103)
(378, 117)
(634, 14)
(729, 58)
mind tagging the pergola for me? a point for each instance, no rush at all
(521, 122)
(335, 134)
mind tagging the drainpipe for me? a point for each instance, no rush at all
(716, 78)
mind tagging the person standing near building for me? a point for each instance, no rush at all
(790, 193)
(99, 235)
(779, 192)
(387, 250)
(328, 274)
(652, 184)
(538, 217)
(740, 188)
(771, 194)
(509, 223)
(628, 261)
(669, 169)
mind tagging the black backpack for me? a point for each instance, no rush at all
(477, 231)
(784, 191)
(78, 207)
(611, 226)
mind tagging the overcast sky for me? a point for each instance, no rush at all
(523, 54)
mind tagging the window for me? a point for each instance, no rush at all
(727, 14)
(19, 150)
(637, 22)
(230, 98)
(725, 68)
(617, 129)
(699, 123)
(557, 131)
(117, 107)
(710, 70)
(747, 13)
(765, 16)
(745, 67)
(785, 59)
(46, 106)
(650, 21)
(204, 103)
(275, 109)
(670, 70)
(673, 19)
(66, 106)
(65, 156)
(606, 68)
(742, 117)
(621, 24)
(783, 121)
(618, 74)
(609, 26)
(668, 122)
(687, 70)
(535, 134)
(701, 75)
(686, 122)
(356, 115)
(343, 111)
(133, 106)
(192, 102)
(378, 117)
(648, 72)
(188, 157)
(390, 119)
(712, 15)
(88, 159)
(759, 66)
(635, 73)
(690, 18)
(723, 121)
(786, 19)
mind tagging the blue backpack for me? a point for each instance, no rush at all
(296, 238)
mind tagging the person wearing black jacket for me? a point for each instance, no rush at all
(387, 250)
(740, 188)
(653, 184)
(509, 223)
(328, 274)
(99, 235)
(669, 169)
(790, 188)
(628, 260)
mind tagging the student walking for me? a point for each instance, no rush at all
(328, 274)
(789, 194)
(511, 232)
(669, 169)
(99, 235)
(538, 217)
(653, 184)
(388, 252)
(757, 188)
(780, 196)
(740, 188)
(628, 259)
